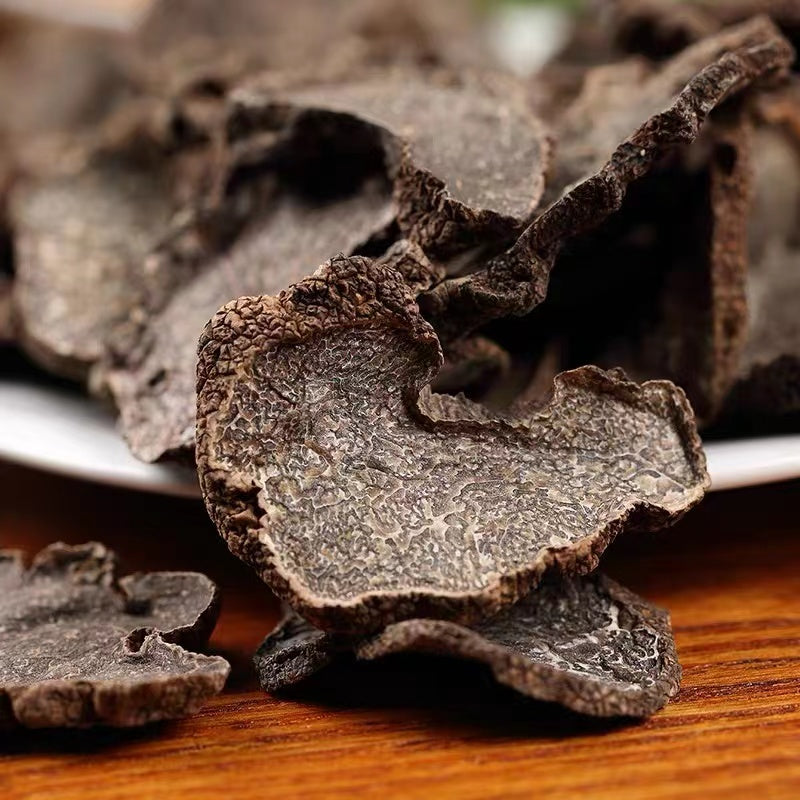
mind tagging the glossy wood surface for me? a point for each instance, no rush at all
(729, 573)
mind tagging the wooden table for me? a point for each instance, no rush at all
(730, 574)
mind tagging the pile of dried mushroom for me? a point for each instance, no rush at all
(406, 443)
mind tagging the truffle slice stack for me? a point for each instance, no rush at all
(370, 504)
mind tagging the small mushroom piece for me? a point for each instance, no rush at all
(607, 141)
(79, 648)
(586, 643)
(362, 499)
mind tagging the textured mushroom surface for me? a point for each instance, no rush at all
(362, 499)
(467, 159)
(601, 154)
(586, 643)
(79, 648)
(80, 242)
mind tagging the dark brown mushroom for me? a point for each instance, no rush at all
(362, 499)
(84, 219)
(80, 648)
(659, 289)
(466, 157)
(603, 149)
(586, 643)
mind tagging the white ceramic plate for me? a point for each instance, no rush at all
(54, 430)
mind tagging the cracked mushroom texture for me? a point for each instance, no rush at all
(79, 647)
(362, 499)
(586, 643)
(596, 163)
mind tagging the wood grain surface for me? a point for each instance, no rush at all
(729, 573)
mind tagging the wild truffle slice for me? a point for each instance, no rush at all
(586, 643)
(602, 150)
(79, 648)
(323, 469)
(468, 159)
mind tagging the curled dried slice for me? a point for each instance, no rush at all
(604, 146)
(586, 643)
(467, 158)
(80, 241)
(660, 289)
(362, 503)
(79, 648)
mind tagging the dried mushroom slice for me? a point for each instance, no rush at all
(80, 241)
(294, 651)
(586, 643)
(323, 469)
(466, 157)
(702, 339)
(84, 221)
(79, 648)
(660, 289)
(607, 141)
